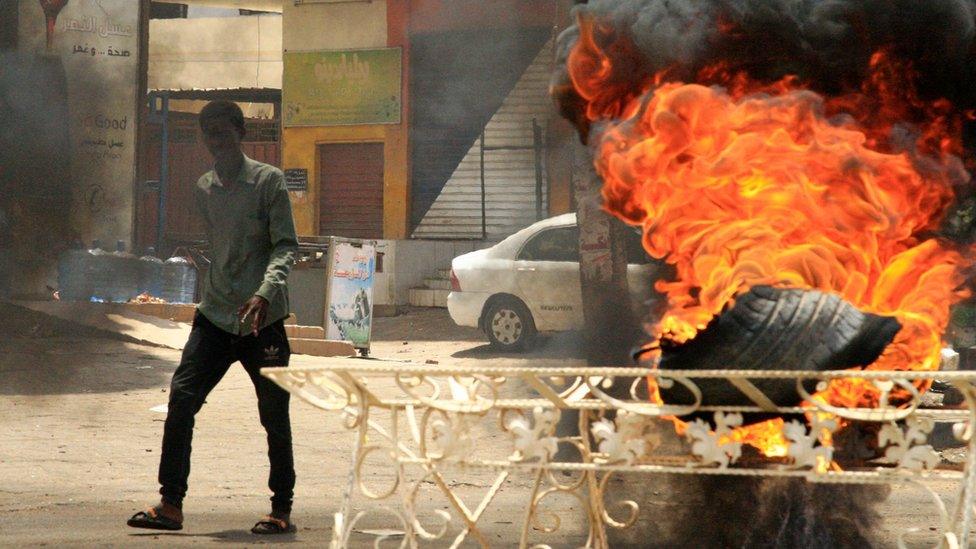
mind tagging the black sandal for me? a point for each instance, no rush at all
(272, 525)
(154, 520)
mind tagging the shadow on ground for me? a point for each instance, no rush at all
(41, 355)
(239, 537)
(567, 345)
(422, 324)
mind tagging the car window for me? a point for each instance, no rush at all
(560, 244)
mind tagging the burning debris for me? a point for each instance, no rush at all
(147, 298)
(753, 153)
(776, 152)
(793, 329)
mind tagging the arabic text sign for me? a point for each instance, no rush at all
(296, 179)
(349, 295)
(103, 27)
(98, 44)
(98, 36)
(331, 88)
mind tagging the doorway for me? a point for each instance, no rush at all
(351, 190)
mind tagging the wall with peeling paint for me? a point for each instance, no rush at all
(359, 25)
(97, 43)
(215, 52)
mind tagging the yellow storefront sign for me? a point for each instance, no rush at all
(342, 87)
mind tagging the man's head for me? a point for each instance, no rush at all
(222, 123)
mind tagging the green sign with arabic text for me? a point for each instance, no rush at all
(343, 87)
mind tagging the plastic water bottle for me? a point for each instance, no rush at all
(150, 274)
(179, 280)
(95, 272)
(99, 277)
(123, 273)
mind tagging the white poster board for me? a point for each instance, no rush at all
(98, 43)
(349, 291)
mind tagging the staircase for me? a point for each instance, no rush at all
(434, 291)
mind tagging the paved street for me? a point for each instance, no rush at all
(82, 439)
(81, 443)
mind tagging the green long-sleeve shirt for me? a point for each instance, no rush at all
(252, 235)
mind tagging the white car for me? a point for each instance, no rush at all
(530, 282)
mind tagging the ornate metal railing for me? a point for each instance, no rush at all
(428, 425)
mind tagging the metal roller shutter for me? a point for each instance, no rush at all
(351, 190)
(458, 80)
(509, 162)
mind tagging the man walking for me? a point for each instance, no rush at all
(240, 317)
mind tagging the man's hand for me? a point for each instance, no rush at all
(257, 309)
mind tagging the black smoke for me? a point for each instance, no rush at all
(828, 44)
(35, 179)
(717, 511)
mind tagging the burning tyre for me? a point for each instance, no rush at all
(779, 329)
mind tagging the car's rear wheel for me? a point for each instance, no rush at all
(509, 325)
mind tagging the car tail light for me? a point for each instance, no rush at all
(455, 283)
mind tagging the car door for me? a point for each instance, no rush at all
(547, 274)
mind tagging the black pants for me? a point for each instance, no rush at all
(206, 358)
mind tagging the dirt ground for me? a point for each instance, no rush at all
(81, 435)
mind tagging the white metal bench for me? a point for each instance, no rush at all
(427, 425)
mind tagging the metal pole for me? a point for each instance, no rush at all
(537, 147)
(484, 216)
(163, 173)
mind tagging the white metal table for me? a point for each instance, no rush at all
(428, 425)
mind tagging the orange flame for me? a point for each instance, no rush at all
(767, 436)
(756, 183)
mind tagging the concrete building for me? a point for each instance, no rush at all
(467, 157)
(423, 124)
(70, 86)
